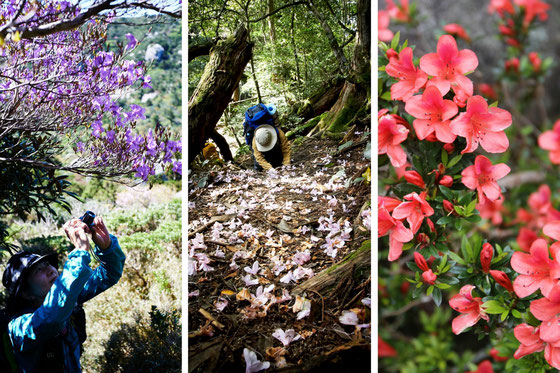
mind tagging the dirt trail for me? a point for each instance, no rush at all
(253, 237)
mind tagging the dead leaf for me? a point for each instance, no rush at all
(340, 331)
(307, 333)
(244, 294)
(285, 227)
(275, 352)
(233, 274)
(227, 292)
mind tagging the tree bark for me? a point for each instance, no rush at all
(337, 50)
(271, 21)
(200, 49)
(222, 145)
(218, 82)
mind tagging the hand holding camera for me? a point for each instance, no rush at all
(76, 230)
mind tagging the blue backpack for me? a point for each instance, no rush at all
(256, 116)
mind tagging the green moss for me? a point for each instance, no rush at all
(310, 123)
(366, 246)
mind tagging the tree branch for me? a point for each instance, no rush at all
(277, 10)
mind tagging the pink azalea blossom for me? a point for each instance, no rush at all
(482, 176)
(390, 135)
(448, 67)
(383, 32)
(220, 303)
(414, 211)
(532, 9)
(501, 6)
(301, 257)
(398, 233)
(286, 337)
(550, 140)
(410, 78)
(547, 310)
(289, 277)
(457, 30)
(484, 125)
(399, 12)
(433, 115)
(252, 363)
(525, 239)
(536, 270)
(249, 281)
(529, 337)
(492, 210)
(469, 307)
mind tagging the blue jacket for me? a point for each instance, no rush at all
(76, 284)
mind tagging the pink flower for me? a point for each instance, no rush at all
(550, 140)
(399, 12)
(480, 124)
(420, 261)
(457, 30)
(252, 363)
(482, 176)
(469, 307)
(429, 277)
(500, 6)
(432, 114)
(492, 210)
(552, 229)
(286, 337)
(525, 239)
(448, 67)
(446, 180)
(529, 337)
(512, 65)
(390, 136)
(383, 19)
(486, 255)
(536, 270)
(487, 91)
(254, 270)
(398, 234)
(547, 310)
(533, 8)
(411, 79)
(484, 367)
(414, 211)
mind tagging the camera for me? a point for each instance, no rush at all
(88, 219)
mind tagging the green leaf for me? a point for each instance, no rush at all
(437, 297)
(441, 285)
(448, 193)
(383, 46)
(458, 224)
(466, 249)
(395, 41)
(430, 290)
(454, 160)
(456, 258)
(471, 206)
(516, 314)
(504, 315)
(345, 145)
(493, 104)
(444, 220)
(444, 157)
(494, 307)
(386, 96)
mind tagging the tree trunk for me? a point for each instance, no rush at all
(271, 21)
(214, 91)
(222, 145)
(353, 99)
(298, 76)
(337, 50)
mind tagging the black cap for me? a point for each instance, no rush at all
(19, 264)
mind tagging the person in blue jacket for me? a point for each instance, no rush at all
(42, 303)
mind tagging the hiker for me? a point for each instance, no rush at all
(269, 146)
(47, 326)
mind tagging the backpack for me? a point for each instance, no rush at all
(256, 116)
(52, 354)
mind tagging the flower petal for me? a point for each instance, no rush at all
(544, 310)
(464, 321)
(447, 49)
(431, 64)
(466, 61)
(495, 142)
(552, 230)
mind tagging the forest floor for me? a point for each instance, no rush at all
(255, 238)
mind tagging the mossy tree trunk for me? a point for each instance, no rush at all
(353, 99)
(214, 91)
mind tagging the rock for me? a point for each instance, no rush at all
(154, 52)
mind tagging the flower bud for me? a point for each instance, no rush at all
(423, 240)
(449, 148)
(431, 225)
(487, 91)
(512, 65)
(431, 260)
(535, 61)
(420, 262)
(446, 181)
(404, 287)
(429, 277)
(486, 257)
(391, 53)
(448, 206)
(502, 279)
(441, 169)
(414, 177)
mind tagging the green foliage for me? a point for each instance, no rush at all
(146, 345)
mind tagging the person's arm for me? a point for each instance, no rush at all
(286, 149)
(49, 319)
(111, 257)
(259, 157)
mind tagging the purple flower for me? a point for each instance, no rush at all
(177, 168)
(97, 128)
(131, 41)
(147, 80)
(80, 146)
(151, 145)
(110, 136)
(253, 364)
(286, 337)
(254, 270)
